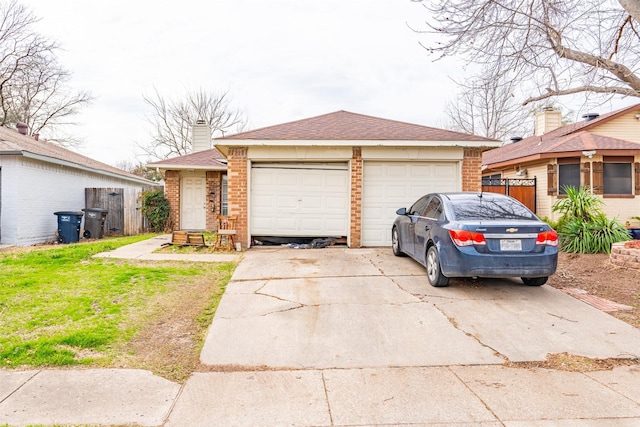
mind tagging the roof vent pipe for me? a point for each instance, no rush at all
(590, 116)
(516, 139)
(22, 128)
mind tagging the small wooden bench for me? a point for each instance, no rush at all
(184, 238)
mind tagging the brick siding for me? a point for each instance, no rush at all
(355, 233)
(472, 169)
(213, 198)
(172, 193)
(237, 189)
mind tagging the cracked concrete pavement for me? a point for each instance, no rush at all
(357, 337)
(356, 308)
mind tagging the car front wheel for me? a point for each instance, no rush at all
(534, 281)
(395, 242)
(434, 272)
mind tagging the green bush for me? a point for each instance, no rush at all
(579, 203)
(583, 227)
(592, 237)
(553, 224)
(155, 207)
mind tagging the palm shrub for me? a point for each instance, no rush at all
(591, 237)
(583, 226)
(156, 208)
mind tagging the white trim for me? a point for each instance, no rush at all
(222, 145)
(186, 168)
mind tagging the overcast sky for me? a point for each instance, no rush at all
(280, 60)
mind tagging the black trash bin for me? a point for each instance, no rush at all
(94, 223)
(69, 226)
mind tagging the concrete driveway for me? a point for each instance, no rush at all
(358, 308)
(349, 337)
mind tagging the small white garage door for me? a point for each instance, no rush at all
(388, 186)
(310, 200)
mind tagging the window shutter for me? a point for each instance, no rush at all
(636, 167)
(552, 179)
(586, 174)
(598, 178)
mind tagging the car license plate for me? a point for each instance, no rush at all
(510, 245)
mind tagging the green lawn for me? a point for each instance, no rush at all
(59, 306)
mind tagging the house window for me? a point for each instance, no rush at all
(224, 203)
(617, 175)
(568, 174)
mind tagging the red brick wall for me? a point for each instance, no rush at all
(172, 193)
(355, 233)
(214, 198)
(238, 196)
(472, 169)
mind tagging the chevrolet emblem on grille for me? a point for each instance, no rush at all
(511, 230)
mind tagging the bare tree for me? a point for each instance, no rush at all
(486, 106)
(139, 169)
(32, 84)
(172, 121)
(550, 47)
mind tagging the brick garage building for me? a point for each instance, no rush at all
(342, 175)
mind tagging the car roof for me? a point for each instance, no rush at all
(471, 195)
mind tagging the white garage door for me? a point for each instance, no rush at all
(388, 186)
(310, 200)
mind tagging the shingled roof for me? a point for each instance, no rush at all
(206, 159)
(566, 141)
(343, 125)
(14, 143)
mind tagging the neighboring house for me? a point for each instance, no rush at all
(602, 152)
(38, 178)
(341, 175)
(195, 184)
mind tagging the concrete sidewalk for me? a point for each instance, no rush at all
(342, 337)
(144, 251)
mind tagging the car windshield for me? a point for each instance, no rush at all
(485, 208)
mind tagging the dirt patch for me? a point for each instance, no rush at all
(170, 343)
(595, 274)
(573, 363)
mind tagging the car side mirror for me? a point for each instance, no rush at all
(401, 211)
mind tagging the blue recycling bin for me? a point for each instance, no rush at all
(69, 226)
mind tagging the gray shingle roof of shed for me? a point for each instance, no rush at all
(14, 143)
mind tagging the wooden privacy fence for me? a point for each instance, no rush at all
(523, 190)
(124, 217)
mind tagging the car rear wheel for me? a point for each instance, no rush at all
(434, 272)
(395, 242)
(534, 281)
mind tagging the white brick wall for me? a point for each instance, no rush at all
(33, 190)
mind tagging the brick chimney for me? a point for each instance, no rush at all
(547, 120)
(22, 128)
(200, 136)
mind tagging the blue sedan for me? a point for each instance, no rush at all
(475, 235)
